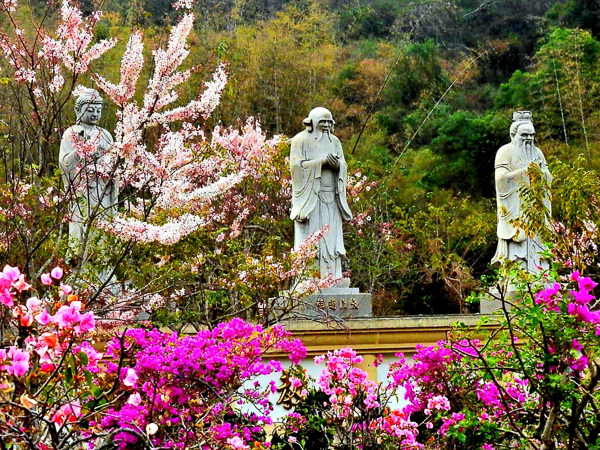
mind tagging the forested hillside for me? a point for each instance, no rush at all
(422, 92)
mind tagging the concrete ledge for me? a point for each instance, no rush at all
(374, 335)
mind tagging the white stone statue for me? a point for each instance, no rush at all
(319, 179)
(87, 174)
(512, 162)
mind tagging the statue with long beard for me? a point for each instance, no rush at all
(512, 162)
(319, 179)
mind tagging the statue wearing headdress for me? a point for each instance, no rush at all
(87, 166)
(512, 162)
(319, 179)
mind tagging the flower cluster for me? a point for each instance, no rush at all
(429, 368)
(71, 48)
(186, 386)
(186, 175)
(48, 358)
(344, 406)
(473, 391)
(346, 384)
(174, 390)
(396, 428)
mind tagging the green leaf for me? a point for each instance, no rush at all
(83, 358)
(97, 392)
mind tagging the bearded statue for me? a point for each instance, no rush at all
(319, 179)
(512, 162)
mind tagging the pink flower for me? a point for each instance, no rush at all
(3, 357)
(46, 279)
(438, 402)
(575, 275)
(582, 297)
(26, 320)
(236, 443)
(86, 323)
(580, 364)
(4, 281)
(576, 345)
(6, 297)
(67, 413)
(76, 305)
(47, 368)
(11, 274)
(489, 395)
(67, 316)
(93, 356)
(66, 289)
(20, 362)
(20, 285)
(586, 284)
(43, 318)
(295, 382)
(547, 296)
(33, 303)
(131, 378)
(135, 399)
(57, 273)
(582, 312)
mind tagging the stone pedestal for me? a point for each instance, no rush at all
(493, 300)
(339, 302)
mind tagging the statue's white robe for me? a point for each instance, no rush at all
(91, 194)
(319, 196)
(513, 244)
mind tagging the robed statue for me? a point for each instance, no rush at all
(511, 165)
(87, 165)
(319, 179)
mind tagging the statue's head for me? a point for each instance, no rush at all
(522, 131)
(321, 119)
(88, 107)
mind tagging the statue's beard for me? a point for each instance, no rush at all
(526, 147)
(323, 134)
